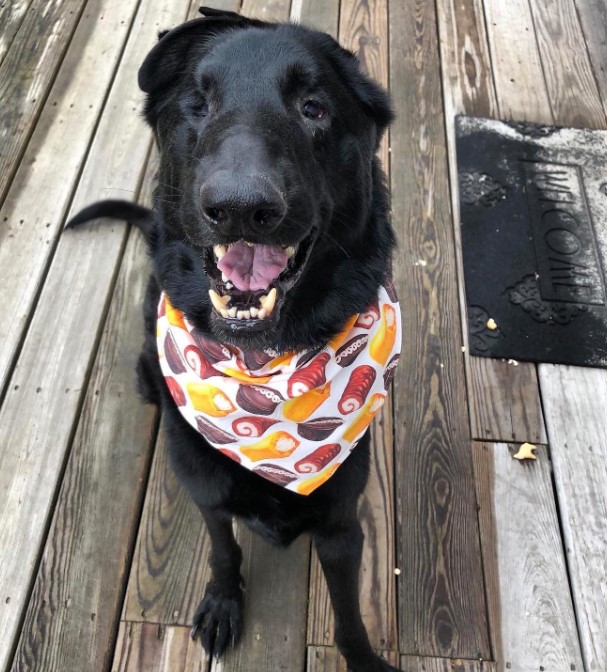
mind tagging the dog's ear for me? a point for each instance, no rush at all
(210, 11)
(163, 64)
(373, 98)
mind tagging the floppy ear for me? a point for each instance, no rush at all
(163, 64)
(374, 100)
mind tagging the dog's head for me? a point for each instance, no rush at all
(273, 217)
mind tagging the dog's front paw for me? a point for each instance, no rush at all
(218, 620)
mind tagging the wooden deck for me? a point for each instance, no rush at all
(103, 558)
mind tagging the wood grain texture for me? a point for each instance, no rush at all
(33, 213)
(593, 17)
(363, 27)
(575, 400)
(148, 647)
(328, 659)
(530, 608)
(377, 584)
(519, 79)
(75, 605)
(566, 64)
(319, 14)
(170, 566)
(414, 664)
(441, 596)
(27, 73)
(12, 14)
(504, 400)
(66, 326)
(274, 636)
(267, 10)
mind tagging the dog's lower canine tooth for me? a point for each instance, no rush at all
(220, 250)
(268, 302)
(219, 302)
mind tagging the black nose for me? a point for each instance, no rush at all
(240, 206)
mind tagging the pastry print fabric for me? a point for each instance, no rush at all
(292, 418)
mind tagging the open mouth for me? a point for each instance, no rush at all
(249, 281)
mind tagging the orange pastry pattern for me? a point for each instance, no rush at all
(291, 418)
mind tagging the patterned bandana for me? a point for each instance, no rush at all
(291, 418)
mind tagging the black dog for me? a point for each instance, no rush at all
(267, 134)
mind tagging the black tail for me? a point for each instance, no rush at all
(142, 218)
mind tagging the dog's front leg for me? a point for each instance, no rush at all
(340, 551)
(218, 618)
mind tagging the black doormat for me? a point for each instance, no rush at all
(534, 234)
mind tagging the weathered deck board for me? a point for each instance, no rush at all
(76, 601)
(319, 14)
(328, 659)
(574, 97)
(363, 29)
(11, 18)
(530, 608)
(33, 212)
(148, 647)
(170, 565)
(267, 10)
(504, 400)
(48, 389)
(577, 429)
(274, 636)
(27, 73)
(519, 80)
(411, 664)
(441, 595)
(593, 17)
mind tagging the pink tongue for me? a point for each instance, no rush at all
(252, 268)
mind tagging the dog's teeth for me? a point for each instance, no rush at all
(219, 302)
(290, 251)
(248, 244)
(268, 302)
(224, 277)
(220, 250)
(232, 312)
(224, 313)
(254, 311)
(246, 314)
(240, 314)
(229, 285)
(261, 314)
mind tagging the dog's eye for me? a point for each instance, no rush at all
(314, 110)
(200, 107)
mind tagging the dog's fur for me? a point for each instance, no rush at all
(226, 79)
